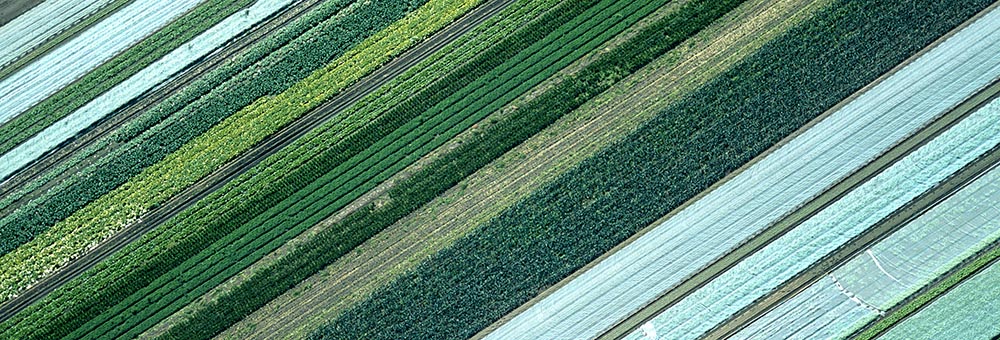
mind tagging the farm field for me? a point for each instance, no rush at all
(766, 191)
(305, 210)
(891, 270)
(58, 68)
(137, 84)
(453, 265)
(502, 169)
(394, 250)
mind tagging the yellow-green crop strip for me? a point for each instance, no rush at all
(124, 205)
(203, 154)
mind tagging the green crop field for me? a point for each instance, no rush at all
(415, 169)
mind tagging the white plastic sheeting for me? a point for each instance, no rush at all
(42, 22)
(135, 85)
(766, 191)
(910, 258)
(831, 228)
(969, 311)
(83, 53)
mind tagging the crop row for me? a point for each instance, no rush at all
(282, 168)
(425, 185)
(297, 100)
(351, 179)
(156, 132)
(41, 23)
(76, 57)
(130, 89)
(203, 153)
(114, 71)
(679, 153)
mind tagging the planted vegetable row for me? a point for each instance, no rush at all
(596, 205)
(207, 151)
(369, 55)
(440, 175)
(130, 89)
(347, 181)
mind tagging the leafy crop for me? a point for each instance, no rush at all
(682, 151)
(210, 150)
(438, 176)
(143, 267)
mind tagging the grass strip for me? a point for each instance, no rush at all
(682, 151)
(930, 295)
(114, 71)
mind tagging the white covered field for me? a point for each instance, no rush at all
(42, 22)
(144, 80)
(83, 53)
(892, 269)
(768, 190)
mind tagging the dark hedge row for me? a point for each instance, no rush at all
(114, 71)
(269, 68)
(679, 153)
